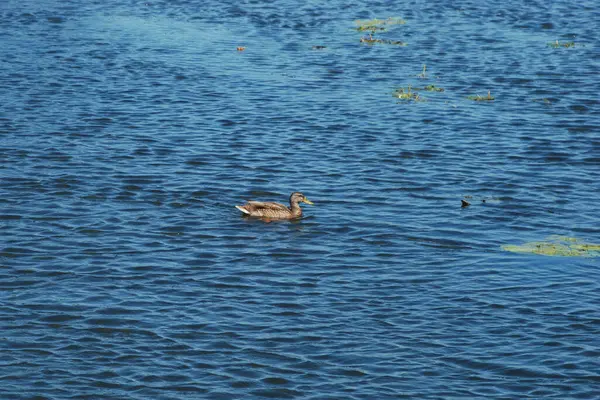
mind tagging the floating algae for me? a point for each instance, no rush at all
(557, 45)
(489, 97)
(377, 24)
(563, 246)
(430, 88)
(407, 94)
(371, 40)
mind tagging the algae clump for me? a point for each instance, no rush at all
(407, 94)
(371, 40)
(433, 88)
(377, 24)
(562, 246)
(489, 97)
(557, 45)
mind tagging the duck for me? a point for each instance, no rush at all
(271, 210)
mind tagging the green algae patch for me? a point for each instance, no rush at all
(477, 97)
(410, 93)
(432, 88)
(428, 88)
(407, 94)
(561, 246)
(557, 44)
(376, 24)
(372, 40)
(373, 26)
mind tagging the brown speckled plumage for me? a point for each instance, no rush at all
(271, 210)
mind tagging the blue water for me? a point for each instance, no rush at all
(130, 129)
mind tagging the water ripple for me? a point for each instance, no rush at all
(128, 137)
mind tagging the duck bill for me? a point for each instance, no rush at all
(307, 201)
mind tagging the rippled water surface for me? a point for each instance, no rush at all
(130, 129)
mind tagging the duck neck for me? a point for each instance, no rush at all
(295, 208)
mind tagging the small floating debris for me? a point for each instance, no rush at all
(371, 28)
(556, 45)
(428, 88)
(544, 100)
(484, 200)
(464, 203)
(241, 48)
(555, 245)
(432, 88)
(407, 94)
(375, 24)
(319, 47)
(489, 97)
(371, 40)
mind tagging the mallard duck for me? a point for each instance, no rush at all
(271, 210)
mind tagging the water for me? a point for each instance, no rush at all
(129, 130)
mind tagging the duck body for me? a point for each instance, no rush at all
(271, 210)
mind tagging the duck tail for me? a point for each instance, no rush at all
(242, 209)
